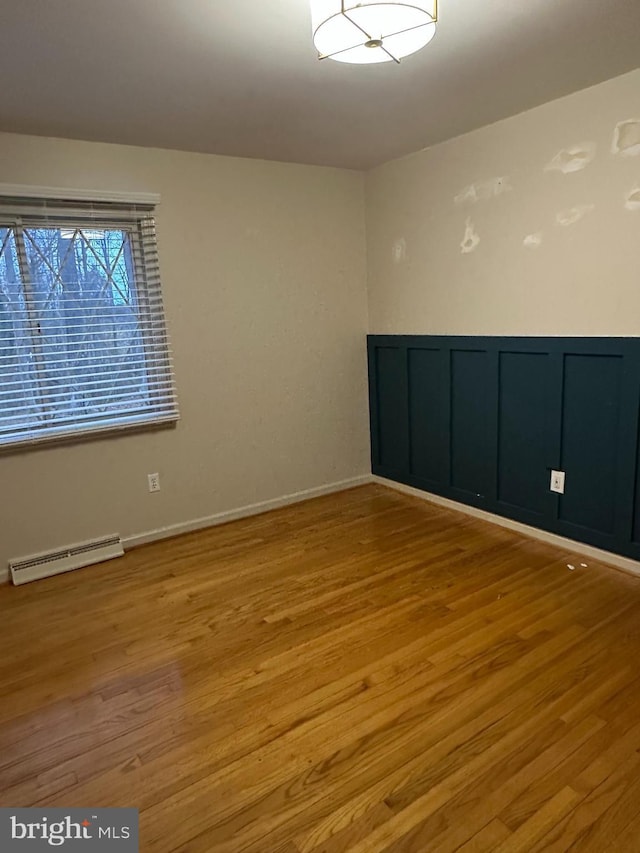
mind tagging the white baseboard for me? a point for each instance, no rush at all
(231, 515)
(242, 512)
(619, 562)
(624, 563)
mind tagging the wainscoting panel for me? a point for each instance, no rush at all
(429, 414)
(473, 433)
(392, 442)
(484, 421)
(527, 425)
(590, 418)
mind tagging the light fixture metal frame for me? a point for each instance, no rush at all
(369, 37)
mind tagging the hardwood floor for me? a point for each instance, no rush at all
(364, 672)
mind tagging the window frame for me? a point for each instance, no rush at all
(156, 359)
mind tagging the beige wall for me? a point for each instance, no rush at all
(583, 280)
(263, 268)
(264, 277)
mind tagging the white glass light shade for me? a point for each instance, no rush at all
(372, 31)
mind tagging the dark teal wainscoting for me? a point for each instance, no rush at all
(484, 420)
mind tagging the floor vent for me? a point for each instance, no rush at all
(65, 560)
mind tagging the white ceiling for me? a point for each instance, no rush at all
(241, 77)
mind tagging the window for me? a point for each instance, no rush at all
(83, 344)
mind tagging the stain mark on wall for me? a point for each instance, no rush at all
(399, 251)
(468, 194)
(632, 201)
(470, 240)
(626, 138)
(573, 214)
(573, 159)
(483, 190)
(533, 241)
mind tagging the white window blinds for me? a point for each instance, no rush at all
(83, 343)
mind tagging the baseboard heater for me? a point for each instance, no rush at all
(65, 560)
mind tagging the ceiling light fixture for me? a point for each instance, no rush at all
(373, 31)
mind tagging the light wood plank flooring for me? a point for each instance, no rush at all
(363, 672)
